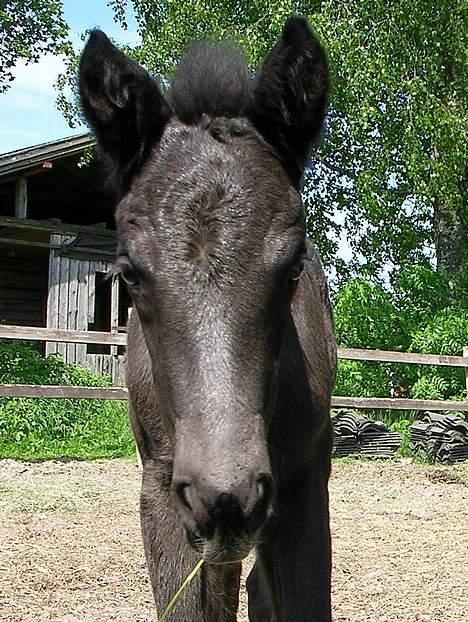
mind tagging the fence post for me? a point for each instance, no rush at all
(465, 355)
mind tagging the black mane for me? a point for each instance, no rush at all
(211, 79)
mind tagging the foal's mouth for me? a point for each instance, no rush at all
(222, 548)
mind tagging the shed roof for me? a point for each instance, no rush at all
(24, 159)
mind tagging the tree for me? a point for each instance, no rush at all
(29, 29)
(397, 130)
(390, 175)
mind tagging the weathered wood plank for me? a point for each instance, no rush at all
(38, 169)
(54, 226)
(82, 252)
(53, 294)
(82, 310)
(40, 334)
(120, 393)
(31, 333)
(91, 292)
(401, 357)
(385, 403)
(114, 366)
(118, 370)
(114, 312)
(21, 198)
(53, 391)
(465, 354)
(63, 295)
(72, 307)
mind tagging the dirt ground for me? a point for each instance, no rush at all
(70, 547)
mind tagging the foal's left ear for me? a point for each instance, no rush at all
(124, 106)
(291, 93)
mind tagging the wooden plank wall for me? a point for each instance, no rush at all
(112, 365)
(71, 304)
(23, 288)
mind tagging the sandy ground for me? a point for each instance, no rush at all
(70, 545)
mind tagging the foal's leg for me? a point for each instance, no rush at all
(294, 559)
(213, 594)
(259, 598)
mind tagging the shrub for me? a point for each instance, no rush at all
(424, 311)
(46, 428)
(364, 314)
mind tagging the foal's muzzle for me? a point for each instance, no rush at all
(222, 525)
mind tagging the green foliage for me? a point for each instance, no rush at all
(421, 292)
(430, 386)
(424, 312)
(28, 29)
(401, 424)
(363, 379)
(446, 333)
(364, 314)
(46, 428)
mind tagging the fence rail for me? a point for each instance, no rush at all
(30, 333)
(120, 393)
(63, 392)
(394, 403)
(384, 356)
(33, 333)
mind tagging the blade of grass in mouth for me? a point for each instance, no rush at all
(183, 586)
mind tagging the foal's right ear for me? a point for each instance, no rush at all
(124, 106)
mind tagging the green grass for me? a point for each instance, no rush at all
(43, 429)
(102, 433)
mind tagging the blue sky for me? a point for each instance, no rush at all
(28, 115)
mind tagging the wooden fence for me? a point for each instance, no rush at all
(119, 393)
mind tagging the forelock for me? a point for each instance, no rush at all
(213, 80)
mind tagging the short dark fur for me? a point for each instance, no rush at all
(231, 353)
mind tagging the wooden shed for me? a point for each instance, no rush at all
(57, 244)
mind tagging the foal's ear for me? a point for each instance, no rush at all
(124, 106)
(290, 94)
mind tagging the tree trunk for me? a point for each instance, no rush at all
(450, 234)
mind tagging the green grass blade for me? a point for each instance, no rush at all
(179, 592)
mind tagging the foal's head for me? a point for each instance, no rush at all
(211, 243)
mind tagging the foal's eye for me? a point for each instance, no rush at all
(127, 272)
(296, 271)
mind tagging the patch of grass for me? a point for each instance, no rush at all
(106, 434)
(43, 429)
(53, 493)
(27, 499)
(348, 459)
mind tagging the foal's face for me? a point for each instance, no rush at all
(211, 243)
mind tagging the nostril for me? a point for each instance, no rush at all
(260, 488)
(182, 491)
(265, 491)
(261, 502)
